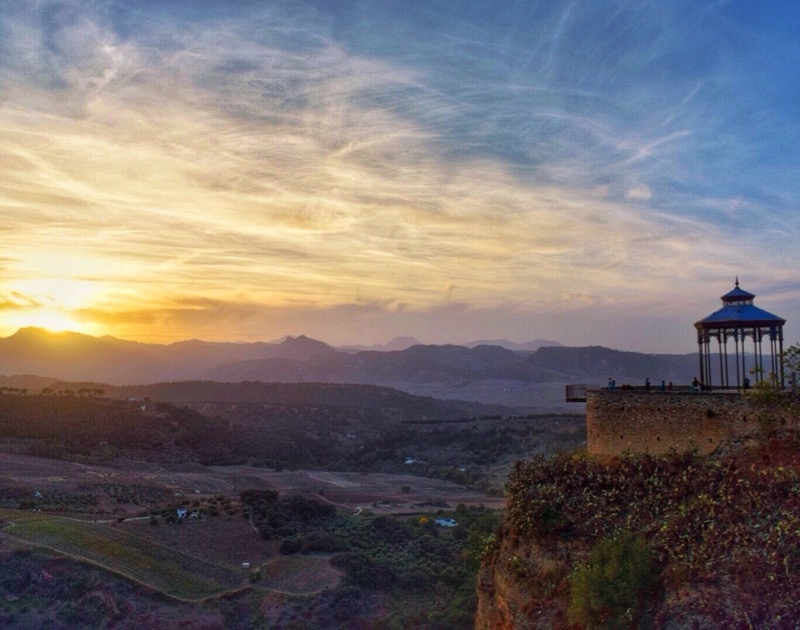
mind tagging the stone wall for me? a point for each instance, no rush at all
(657, 421)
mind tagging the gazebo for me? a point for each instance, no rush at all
(737, 320)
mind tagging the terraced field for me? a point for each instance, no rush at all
(176, 574)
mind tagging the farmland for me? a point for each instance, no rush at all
(128, 531)
(167, 570)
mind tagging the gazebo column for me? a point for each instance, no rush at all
(701, 351)
(773, 350)
(758, 365)
(725, 379)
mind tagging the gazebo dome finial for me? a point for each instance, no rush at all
(737, 280)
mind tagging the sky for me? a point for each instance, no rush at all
(595, 172)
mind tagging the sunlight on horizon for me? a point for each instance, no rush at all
(50, 320)
(51, 303)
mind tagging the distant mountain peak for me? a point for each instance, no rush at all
(401, 343)
(528, 346)
(35, 333)
(290, 340)
(397, 344)
(302, 347)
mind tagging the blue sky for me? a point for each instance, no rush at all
(590, 172)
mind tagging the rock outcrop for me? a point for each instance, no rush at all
(521, 586)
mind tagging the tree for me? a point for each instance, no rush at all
(768, 398)
(791, 364)
(615, 586)
(791, 360)
(773, 399)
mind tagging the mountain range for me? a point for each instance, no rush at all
(484, 372)
(403, 343)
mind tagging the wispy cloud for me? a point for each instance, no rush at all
(238, 169)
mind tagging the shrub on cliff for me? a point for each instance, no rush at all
(613, 587)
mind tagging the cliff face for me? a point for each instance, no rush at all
(521, 586)
(711, 542)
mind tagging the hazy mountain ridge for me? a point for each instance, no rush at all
(77, 357)
(405, 342)
(528, 346)
(598, 362)
(418, 364)
(484, 373)
(458, 365)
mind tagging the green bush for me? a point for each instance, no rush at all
(614, 587)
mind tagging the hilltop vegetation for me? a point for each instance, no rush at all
(69, 426)
(717, 541)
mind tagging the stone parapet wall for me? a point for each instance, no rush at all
(656, 421)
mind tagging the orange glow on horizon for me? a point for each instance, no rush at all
(49, 303)
(50, 320)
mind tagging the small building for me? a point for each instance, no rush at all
(445, 522)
